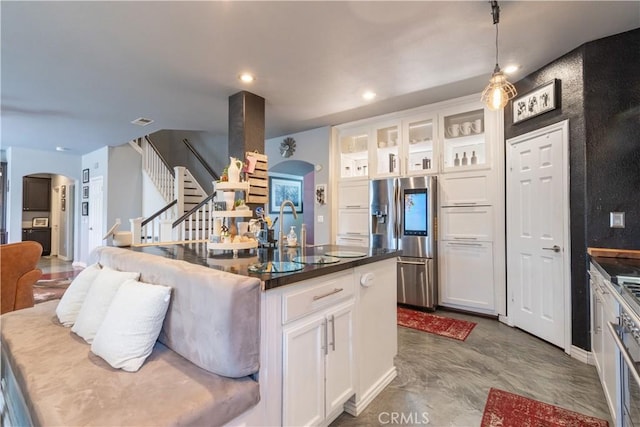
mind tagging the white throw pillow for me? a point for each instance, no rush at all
(71, 302)
(132, 325)
(98, 299)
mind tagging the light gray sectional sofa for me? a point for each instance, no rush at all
(200, 372)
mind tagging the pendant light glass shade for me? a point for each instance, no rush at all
(499, 91)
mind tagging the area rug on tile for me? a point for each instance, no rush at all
(439, 325)
(504, 409)
(52, 285)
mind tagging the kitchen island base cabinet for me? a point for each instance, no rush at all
(466, 272)
(318, 366)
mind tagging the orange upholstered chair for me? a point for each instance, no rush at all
(19, 272)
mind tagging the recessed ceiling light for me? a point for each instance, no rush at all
(246, 78)
(368, 95)
(62, 149)
(141, 121)
(510, 69)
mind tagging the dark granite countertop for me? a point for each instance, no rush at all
(197, 253)
(611, 268)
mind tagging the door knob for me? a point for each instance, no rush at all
(555, 248)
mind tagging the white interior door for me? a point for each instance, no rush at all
(96, 214)
(538, 279)
(55, 220)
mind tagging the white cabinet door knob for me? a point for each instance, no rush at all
(366, 279)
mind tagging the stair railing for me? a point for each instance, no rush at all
(197, 224)
(159, 171)
(205, 165)
(156, 228)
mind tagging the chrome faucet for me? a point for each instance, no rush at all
(295, 216)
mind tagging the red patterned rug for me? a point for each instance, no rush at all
(52, 285)
(443, 326)
(505, 409)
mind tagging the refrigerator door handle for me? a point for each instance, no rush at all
(396, 223)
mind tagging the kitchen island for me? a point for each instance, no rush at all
(328, 326)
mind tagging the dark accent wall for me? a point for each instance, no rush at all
(599, 92)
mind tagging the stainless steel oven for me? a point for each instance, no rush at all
(627, 337)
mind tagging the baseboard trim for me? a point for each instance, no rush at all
(79, 264)
(356, 408)
(582, 355)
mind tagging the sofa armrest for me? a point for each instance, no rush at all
(24, 289)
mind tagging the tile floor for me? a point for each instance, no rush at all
(449, 380)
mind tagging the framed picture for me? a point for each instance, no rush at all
(40, 222)
(321, 194)
(63, 205)
(536, 102)
(281, 189)
(63, 192)
(85, 208)
(85, 175)
(219, 206)
(85, 192)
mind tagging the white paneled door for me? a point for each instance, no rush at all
(96, 214)
(537, 226)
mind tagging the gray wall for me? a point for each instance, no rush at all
(600, 95)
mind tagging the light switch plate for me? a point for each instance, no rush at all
(320, 219)
(616, 219)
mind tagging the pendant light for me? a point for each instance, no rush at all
(499, 91)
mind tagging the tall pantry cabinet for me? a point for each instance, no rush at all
(462, 143)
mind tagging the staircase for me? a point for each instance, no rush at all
(182, 195)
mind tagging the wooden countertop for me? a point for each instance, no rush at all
(614, 253)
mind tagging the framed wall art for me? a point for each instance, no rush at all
(321, 194)
(85, 192)
(85, 208)
(533, 103)
(85, 175)
(281, 189)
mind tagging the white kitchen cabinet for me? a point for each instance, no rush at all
(466, 272)
(386, 159)
(377, 332)
(466, 223)
(354, 222)
(353, 150)
(353, 195)
(353, 240)
(466, 189)
(463, 136)
(318, 365)
(604, 309)
(420, 150)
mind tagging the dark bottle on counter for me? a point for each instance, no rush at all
(474, 159)
(465, 160)
(456, 161)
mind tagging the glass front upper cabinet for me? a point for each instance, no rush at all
(419, 153)
(464, 142)
(354, 154)
(387, 150)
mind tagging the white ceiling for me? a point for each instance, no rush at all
(74, 74)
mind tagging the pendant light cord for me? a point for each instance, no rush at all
(496, 44)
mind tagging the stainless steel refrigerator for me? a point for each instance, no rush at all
(404, 216)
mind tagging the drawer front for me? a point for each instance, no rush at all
(317, 294)
(354, 222)
(469, 223)
(353, 195)
(466, 189)
(353, 240)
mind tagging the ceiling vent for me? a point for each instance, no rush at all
(141, 121)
